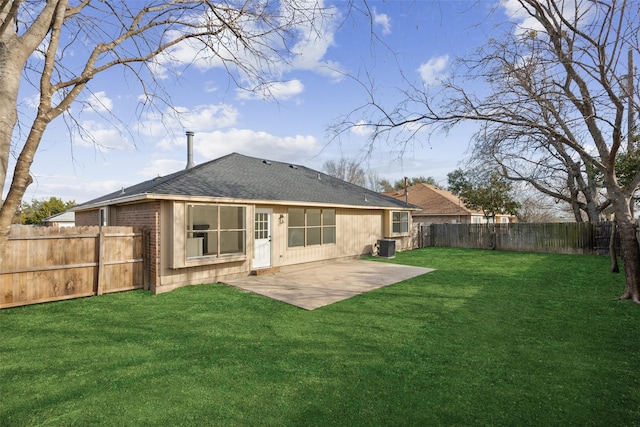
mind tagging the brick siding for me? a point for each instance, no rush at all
(144, 215)
(87, 218)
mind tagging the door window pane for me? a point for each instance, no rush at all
(262, 226)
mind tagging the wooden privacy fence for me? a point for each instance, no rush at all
(569, 238)
(44, 264)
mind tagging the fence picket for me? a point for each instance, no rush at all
(570, 238)
(44, 264)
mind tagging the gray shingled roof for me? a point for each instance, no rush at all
(241, 177)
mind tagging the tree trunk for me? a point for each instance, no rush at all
(630, 258)
(21, 179)
(612, 249)
(14, 51)
(593, 212)
(9, 85)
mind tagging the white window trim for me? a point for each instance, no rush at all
(408, 222)
(178, 241)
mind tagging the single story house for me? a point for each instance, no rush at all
(439, 206)
(237, 215)
(64, 219)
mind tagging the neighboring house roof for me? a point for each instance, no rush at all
(66, 217)
(240, 177)
(433, 201)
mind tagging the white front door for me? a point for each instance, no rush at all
(262, 239)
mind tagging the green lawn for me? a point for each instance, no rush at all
(490, 338)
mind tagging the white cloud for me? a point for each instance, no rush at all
(311, 40)
(331, 69)
(69, 187)
(211, 140)
(216, 136)
(433, 70)
(100, 102)
(202, 118)
(362, 128)
(189, 52)
(32, 101)
(215, 144)
(104, 186)
(383, 20)
(570, 9)
(104, 136)
(514, 10)
(161, 167)
(210, 87)
(314, 40)
(414, 127)
(279, 90)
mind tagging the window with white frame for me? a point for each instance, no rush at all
(400, 222)
(308, 227)
(476, 220)
(215, 230)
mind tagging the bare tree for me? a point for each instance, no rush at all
(374, 182)
(59, 46)
(556, 82)
(347, 170)
(546, 166)
(537, 207)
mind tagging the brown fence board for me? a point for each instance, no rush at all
(43, 264)
(570, 238)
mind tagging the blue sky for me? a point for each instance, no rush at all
(422, 39)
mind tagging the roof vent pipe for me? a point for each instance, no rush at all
(190, 163)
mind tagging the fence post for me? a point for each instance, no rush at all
(100, 284)
(146, 264)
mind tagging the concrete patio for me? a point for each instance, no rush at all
(311, 287)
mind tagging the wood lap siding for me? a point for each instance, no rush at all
(356, 232)
(359, 231)
(44, 264)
